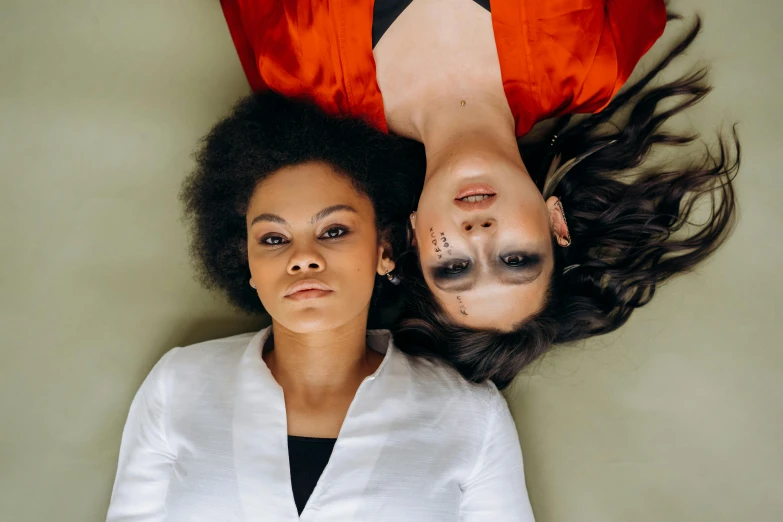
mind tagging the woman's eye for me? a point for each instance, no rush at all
(273, 240)
(515, 260)
(455, 267)
(334, 232)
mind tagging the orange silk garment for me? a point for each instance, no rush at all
(556, 56)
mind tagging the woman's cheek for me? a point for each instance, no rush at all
(430, 241)
(265, 272)
(356, 270)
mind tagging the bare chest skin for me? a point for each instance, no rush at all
(442, 51)
(322, 421)
(322, 416)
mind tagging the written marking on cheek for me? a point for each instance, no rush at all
(443, 243)
(462, 309)
(434, 241)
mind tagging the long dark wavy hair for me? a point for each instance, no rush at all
(631, 227)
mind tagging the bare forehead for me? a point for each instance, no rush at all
(494, 306)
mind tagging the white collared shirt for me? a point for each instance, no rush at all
(206, 441)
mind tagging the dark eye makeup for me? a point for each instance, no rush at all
(452, 268)
(519, 259)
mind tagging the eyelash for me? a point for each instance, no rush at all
(523, 260)
(341, 232)
(447, 269)
(450, 269)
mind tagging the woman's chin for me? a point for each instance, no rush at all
(311, 320)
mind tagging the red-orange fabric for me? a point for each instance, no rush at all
(556, 56)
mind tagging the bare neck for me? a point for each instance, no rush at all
(323, 363)
(482, 125)
(437, 55)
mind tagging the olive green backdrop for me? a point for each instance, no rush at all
(678, 417)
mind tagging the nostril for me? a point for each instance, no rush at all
(313, 265)
(468, 227)
(295, 268)
(486, 225)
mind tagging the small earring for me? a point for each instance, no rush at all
(413, 215)
(252, 284)
(393, 278)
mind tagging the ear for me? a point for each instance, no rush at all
(412, 231)
(385, 262)
(558, 221)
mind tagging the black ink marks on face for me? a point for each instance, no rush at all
(462, 309)
(440, 243)
(434, 241)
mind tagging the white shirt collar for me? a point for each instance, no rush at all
(379, 340)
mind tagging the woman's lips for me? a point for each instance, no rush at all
(469, 206)
(476, 189)
(307, 295)
(307, 289)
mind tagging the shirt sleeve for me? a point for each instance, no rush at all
(145, 462)
(578, 54)
(629, 30)
(235, 20)
(495, 491)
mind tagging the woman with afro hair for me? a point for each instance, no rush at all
(314, 418)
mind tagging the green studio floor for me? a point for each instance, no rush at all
(676, 418)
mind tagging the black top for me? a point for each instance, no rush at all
(307, 457)
(385, 12)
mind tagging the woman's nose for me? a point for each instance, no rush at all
(484, 226)
(306, 261)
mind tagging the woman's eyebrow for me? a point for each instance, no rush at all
(331, 210)
(520, 279)
(274, 218)
(455, 286)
